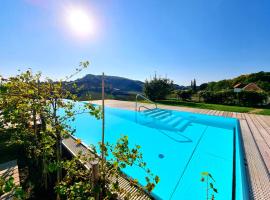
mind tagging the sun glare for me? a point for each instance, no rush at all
(80, 22)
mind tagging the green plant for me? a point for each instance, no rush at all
(158, 88)
(77, 182)
(30, 110)
(38, 115)
(210, 188)
(184, 94)
(229, 97)
(7, 185)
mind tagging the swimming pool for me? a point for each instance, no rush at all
(177, 146)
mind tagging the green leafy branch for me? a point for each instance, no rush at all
(210, 189)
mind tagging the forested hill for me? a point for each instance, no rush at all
(115, 87)
(93, 82)
(262, 79)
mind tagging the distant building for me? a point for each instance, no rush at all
(247, 87)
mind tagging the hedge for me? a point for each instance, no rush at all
(229, 97)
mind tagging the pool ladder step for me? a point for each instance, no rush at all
(163, 115)
(151, 111)
(175, 121)
(157, 113)
(183, 125)
(167, 118)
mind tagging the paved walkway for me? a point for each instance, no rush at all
(255, 131)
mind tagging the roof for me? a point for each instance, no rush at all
(239, 85)
(248, 87)
(252, 87)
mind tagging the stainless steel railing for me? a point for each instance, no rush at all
(143, 106)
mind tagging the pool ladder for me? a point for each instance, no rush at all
(138, 106)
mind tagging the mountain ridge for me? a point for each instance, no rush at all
(125, 88)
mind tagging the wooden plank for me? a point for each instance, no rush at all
(204, 111)
(263, 147)
(212, 112)
(7, 170)
(208, 112)
(221, 113)
(215, 112)
(264, 120)
(10, 168)
(262, 130)
(225, 114)
(258, 175)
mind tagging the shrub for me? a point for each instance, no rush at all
(249, 98)
(184, 94)
(158, 88)
(243, 98)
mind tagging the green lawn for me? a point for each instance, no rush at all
(215, 107)
(264, 112)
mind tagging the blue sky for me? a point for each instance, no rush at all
(183, 39)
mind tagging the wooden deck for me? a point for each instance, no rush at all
(135, 194)
(7, 170)
(255, 131)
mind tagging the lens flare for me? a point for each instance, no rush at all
(80, 22)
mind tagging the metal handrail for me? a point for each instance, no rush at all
(145, 98)
(143, 107)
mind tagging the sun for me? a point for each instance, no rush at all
(80, 22)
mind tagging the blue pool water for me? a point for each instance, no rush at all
(177, 146)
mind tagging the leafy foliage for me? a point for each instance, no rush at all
(229, 97)
(158, 88)
(7, 185)
(210, 189)
(262, 79)
(184, 94)
(193, 85)
(38, 115)
(76, 183)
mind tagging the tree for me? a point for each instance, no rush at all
(38, 115)
(194, 85)
(203, 86)
(29, 109)
(76, 183)
(184, 94)
(158, 88)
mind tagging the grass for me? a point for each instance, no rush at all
(264, 112)
(215, 107)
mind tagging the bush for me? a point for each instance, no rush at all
(158, 88)
(252, 98)
(243, 98)
(184, 94)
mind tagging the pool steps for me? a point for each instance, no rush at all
(176, 121)
(165, 117)
(157, 113)
(150, 112)
(183, 125)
